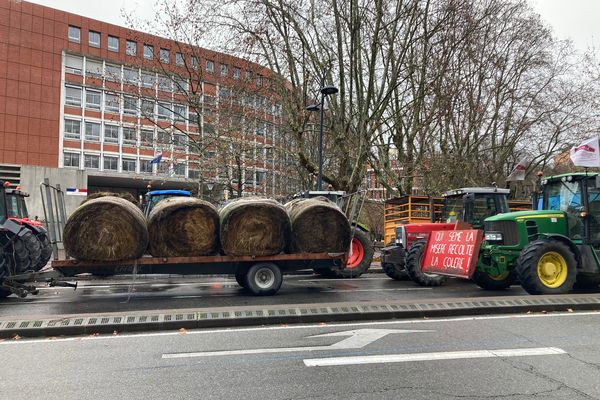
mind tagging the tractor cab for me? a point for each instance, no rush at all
(17, 208)
(153, 197)
(335, 196)
(473, 204)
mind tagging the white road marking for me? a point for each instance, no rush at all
(80, 286)
(362, 278)
(186, 297)
(374, 290)
(447, 355)
(291, 327)
(358, 339)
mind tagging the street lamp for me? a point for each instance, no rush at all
(325, 91)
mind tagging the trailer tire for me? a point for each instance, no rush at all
(263, 279)
(413, 267)
(547, 266)
(488, 282)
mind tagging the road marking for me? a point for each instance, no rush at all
(286, 327)
(362, 278)
(186, 297)
(448, 355)
(375, 290)
(358, 339)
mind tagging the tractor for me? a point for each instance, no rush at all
(548, 250)
(470, 205)
(362, 249)
(153, 197)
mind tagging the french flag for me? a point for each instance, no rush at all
(77, 192)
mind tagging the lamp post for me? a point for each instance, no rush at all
(326, 90)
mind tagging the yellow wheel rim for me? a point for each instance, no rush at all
(552, 269)
(500, 277)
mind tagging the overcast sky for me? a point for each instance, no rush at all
(574, 19)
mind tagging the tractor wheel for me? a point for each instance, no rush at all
(46, 250)
(26, 251)
(360, 260)
(395, 271)
(547, 267)
(489, 282)
(413, 267)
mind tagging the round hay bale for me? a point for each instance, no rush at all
(106, 229)
(318, 226)
(183, 227)
(254, 226)
(124, 195)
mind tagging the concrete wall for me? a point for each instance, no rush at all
(31, 177)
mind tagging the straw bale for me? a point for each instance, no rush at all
(183, 227)
(123, 195)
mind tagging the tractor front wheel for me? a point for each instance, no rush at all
(413, 267)
(493, 282)
(396, 271)
(547, 267)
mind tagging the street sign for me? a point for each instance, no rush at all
(452, 253)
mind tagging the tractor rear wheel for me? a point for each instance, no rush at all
(359, 260)
(490, 282)
(547, 267)
(46, 250)
(26, 251)
(413, 267)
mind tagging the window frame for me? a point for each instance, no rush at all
(148, 51)
(113, 140)
(113, 48)
(71, 154)
(130, 47)
(110, 158)
(179, 59)
(129, 141)
(165, 52)
(70, 122)
(94, 33)
(210, 66)
(89, 138)
(67, 97)
(96, 106)
(85, 160)
(109, 108)
(74, 39)
(128, 160)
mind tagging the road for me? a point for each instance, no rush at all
(546, 356)
(126, 293)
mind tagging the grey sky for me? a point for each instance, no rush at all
(574, 19)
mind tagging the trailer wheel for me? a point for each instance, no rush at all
(263, 279)
(413, 267)
(547, 267)
(489, 282)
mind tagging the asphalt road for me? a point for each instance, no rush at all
(551, 356)
(126, 293)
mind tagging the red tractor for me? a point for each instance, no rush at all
(410, 220)
(32, 247)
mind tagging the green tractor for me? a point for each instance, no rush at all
(549, 250)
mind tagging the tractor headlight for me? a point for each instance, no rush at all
(493, 237)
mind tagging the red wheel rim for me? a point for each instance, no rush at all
(358, 252)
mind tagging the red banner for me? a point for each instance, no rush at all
(452, 253)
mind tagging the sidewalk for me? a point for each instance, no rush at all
(156, 320)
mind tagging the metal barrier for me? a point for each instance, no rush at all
(55, 214)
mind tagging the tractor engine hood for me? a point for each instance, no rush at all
(529, 214)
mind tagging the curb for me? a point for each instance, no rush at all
(159, 320)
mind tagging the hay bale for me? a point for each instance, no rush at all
(183, 227)
(318, 226)
(106, 229)
(254, 226)
(124, 195)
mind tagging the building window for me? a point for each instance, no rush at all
(179, 112)
(164, 139)
(130, 105)
(224, 70)
(73, 96)
(111, 102)
(180, 85)
(71, 159)
(111, 163)
(259, 80)
(74, 34)
(131, 48)
(148, 51)
(145, 166)
(92, 131)
(113, 73)
(248, 76)
(111, 134)
(94, 38)
(73, 65)
(164, 56)
(129, 136)
(146, 137)
(180, 141)
(210, 66)
(93, 99)
(164, 83)
(164, 111)
(128, 165)
(147, 109)
(179, 169)
(195, 63)
(91, 161)
(236, 73)
(113, 43)
(179, 60)
(93, 68)
(261, 177)
(130, 75)
(72, 129)
(260, 128)
(193, 116)
(148, 79)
